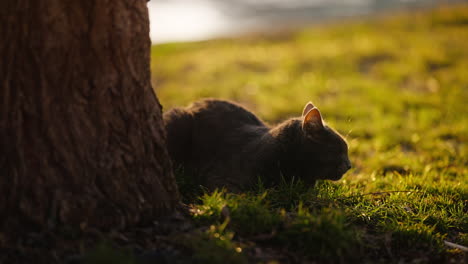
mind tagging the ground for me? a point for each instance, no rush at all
(396, 86)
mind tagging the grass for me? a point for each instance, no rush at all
(396, 86)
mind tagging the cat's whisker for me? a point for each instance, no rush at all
(349, 132)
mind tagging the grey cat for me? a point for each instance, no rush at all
(221, 144)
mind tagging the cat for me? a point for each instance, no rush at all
(222, 144)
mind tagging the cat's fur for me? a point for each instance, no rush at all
(221, 144)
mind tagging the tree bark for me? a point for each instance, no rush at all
(81, 135)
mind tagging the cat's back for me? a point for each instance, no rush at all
(222, 113)
(210, 128)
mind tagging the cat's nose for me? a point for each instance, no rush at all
(348, 165)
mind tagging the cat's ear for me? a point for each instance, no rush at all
(312, 120)
(307, 108)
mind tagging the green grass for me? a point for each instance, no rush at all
(396, 86)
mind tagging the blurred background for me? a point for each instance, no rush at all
(390, 75)
(188, 20)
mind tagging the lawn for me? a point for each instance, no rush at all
(396, 86)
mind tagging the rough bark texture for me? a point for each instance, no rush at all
(81, 134)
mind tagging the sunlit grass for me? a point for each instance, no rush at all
(397, 87)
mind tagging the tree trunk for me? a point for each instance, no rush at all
(82, 141)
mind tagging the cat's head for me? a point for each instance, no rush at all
(319, 151)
